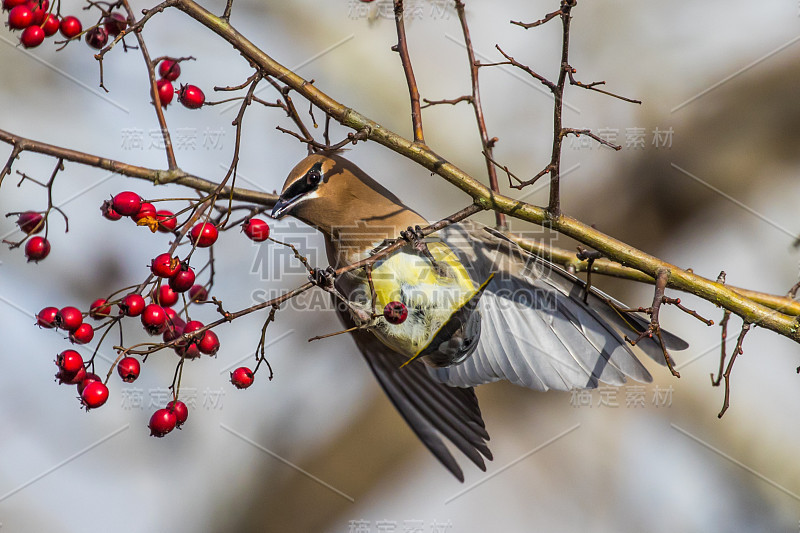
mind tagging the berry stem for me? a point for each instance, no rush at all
(162, 122)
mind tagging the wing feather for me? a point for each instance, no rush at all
(539, 329)
(430, 408)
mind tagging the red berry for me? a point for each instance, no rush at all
(198, 293)
(182, 280)
(204, 234)
(87, 378)
(115, 23)
(69, 361)
(154, 319)
(171, 314)
(165, 92)
(36, 249)
(162, 422)
(165, 265)
(11, 4)
(176, 324)
(191, 96)
(166, 297)
(50, 25)
(69, 318)
(30, 222)
(146, 210)
(32, 36)
(132, 305)
(189, 352)
(395, 312)
(83, 335)
(70, 27)
(46, 318)
(166, 219)
(180, 410)
(256, 229)
(209, 344)
(192, 326)
(99, 309)
(108, 211)
(71, 378)
(175, 321)
(20, 17)
(39, 10)
(128, 368)
(127, 203)
(94, 395)
(173, 331)
(96, 37)
(242, 377)
(169, 70)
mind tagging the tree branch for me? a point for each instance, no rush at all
(158, 177)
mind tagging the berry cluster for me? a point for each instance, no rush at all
(129, 204)
(170, 417)
(114, 23)
(189, 95)
(171, 278)
(35, 20)
(31, 223)
(164, 301)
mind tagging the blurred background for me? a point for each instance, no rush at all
(706, 178)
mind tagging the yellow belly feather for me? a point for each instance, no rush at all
(430, 298)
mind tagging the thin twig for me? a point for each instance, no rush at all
(475, 100)
(449, 101)
(546, 18)
(593, 87)
(413, 91)
(171, 161)
(226, 15)
(654, 328)
(727, 375)
(726, 315)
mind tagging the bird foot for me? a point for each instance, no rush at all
(322, 277)
(416, 238)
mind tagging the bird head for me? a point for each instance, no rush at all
(330, 193)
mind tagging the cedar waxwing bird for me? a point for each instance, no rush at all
(480, 309)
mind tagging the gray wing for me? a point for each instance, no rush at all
(430, 408)
(537, 331)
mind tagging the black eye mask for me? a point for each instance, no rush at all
(306, 184)
(297, 190)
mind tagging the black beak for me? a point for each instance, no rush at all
(282, 207)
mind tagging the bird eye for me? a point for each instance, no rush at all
(314, 176)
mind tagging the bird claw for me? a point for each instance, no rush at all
(413, 235)
(416, 238)
(322, 277)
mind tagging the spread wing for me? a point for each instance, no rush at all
(432, 409)
(537, 330)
